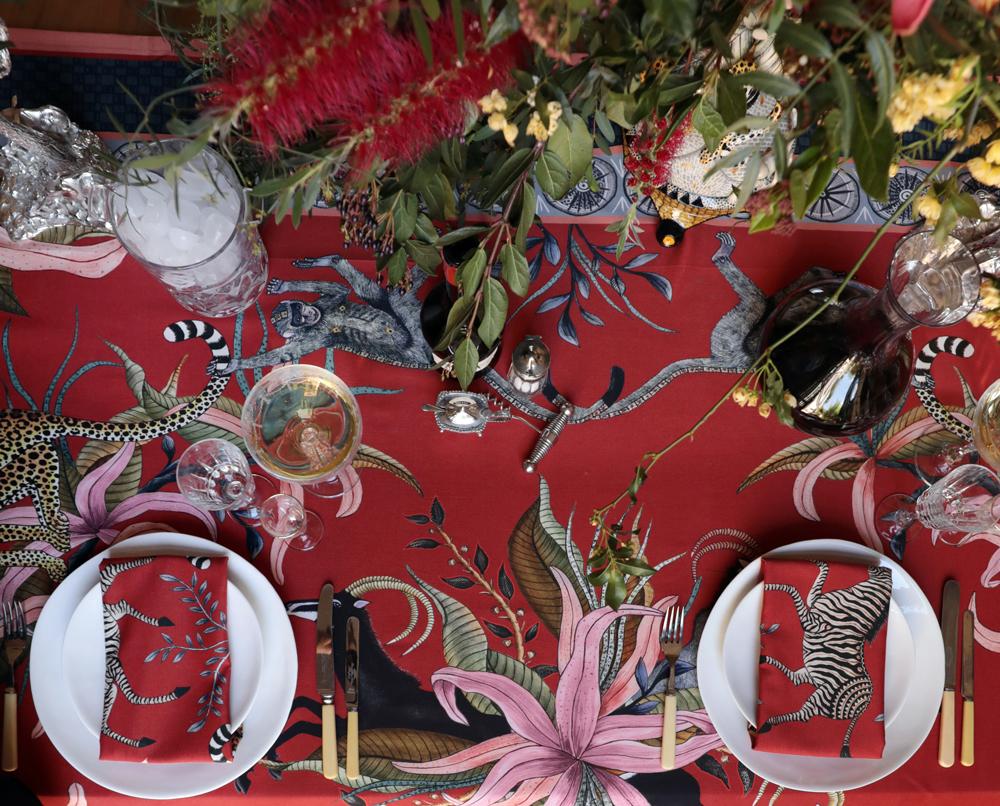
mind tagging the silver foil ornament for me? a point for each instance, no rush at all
(53, 174)
(982, 236)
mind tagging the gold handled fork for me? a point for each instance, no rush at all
(15, 633)
(670, 642)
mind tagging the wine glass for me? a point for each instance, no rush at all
(982, 440)
(214, 475)
(301, 423)
(285, 518)
(966, 500)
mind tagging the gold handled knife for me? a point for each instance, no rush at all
(949, 632)
(968, 712)
(352, 695)
(325, 679)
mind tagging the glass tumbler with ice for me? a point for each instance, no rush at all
(187, 224)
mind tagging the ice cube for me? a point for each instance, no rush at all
(182, 239)
(215, 230)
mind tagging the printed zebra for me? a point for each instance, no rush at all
(923, 382)
(837, 624)
(115, 679)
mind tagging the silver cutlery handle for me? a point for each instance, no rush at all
(9, 730)
(548, 437)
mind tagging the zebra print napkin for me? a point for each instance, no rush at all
(166, 644)
(822, 659)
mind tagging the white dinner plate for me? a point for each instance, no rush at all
(902, 737)
(54, 700)
(83, 652)
(741, 651)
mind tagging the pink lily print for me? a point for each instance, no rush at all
(95, 520)
(889, 445)
(551, 759)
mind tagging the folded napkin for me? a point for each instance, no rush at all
(822, 659)
(166, 644)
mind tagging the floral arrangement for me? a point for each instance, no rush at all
(409, 114)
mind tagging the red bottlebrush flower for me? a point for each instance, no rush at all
(649, 153)
(349, 75)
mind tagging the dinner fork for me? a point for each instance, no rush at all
(15, 635)
(670, 642)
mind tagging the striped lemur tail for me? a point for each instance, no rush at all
(150, 429)
(923, 381)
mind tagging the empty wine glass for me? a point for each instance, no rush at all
(982, 441)
(285, 518)
(214, 474)
(966, 500)
(301, 423)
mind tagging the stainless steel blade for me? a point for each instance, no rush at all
(352, 676)
(967, 661)
(949, 632)
(325, 680)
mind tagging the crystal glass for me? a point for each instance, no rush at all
(302, 424)
(984, 443)
(285, 518)
(966, 500)
(852, 364)
(215, 475)
(187, 225)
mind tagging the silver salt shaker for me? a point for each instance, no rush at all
(529, 367)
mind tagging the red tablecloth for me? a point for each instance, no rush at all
(489, 561)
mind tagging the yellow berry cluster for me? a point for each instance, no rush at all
(986, 169)
(745, 396)
(495, 105)
(979, 132)
(987, 313)
(928, 95)
(928, 207)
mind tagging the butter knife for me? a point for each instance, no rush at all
(352, 695)
(968, 715)
(949, 632)
(325, 679)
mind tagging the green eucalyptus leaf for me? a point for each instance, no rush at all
(842, 13)
(405, 217)
(515, 269)
(505, 175)
(883, 68)
(494, 311)
(749, 180)
(804, 38)
(966, 206)
(552, 175)
(847, 89)
(604, 125)
(422, 33)
(424, 255)
(460, 234)
(730, 98)
(529, 203)
(872, 146)
(396, 266)
(798, 182)
(466, 359)
(676, 88)
(432, 8)
(821, 178)
(770, 83)
(457, 316)
(709, 123)
(470, 273)
(506, 23)
(572, 143)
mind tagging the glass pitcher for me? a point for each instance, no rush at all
(852, 364)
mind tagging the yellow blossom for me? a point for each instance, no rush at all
(510, 134)
(740, 396)
(993, 152)
(928, 95)
(929, 208)
(976, 318)
(985, 172)
(530, 97)
(494, 102)
(753, 398)
(536, 128)
(790, 400)
(764, 410)
(893, 169)
(977, 133)
(555, 112)
(496, 121)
